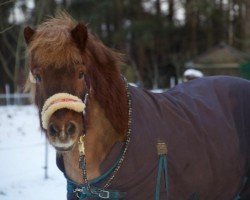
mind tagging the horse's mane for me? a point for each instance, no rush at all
(52, 45)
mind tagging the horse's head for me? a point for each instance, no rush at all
(56, 66)
(65, 58)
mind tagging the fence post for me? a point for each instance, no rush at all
(18, 96)
(7, 92)
(172, 81)
(46, 159)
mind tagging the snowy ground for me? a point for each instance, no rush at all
(22, 158)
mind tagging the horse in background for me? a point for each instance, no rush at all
(116, 141)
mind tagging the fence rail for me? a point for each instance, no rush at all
(15, 99)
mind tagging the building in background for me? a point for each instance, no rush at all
(222, 60)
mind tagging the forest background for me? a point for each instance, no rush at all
(158, 37)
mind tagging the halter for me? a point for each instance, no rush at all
(87, 190)
(59, 101)
(63, 100)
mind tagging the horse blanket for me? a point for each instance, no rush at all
(206, 126)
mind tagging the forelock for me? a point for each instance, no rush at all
(52, 44)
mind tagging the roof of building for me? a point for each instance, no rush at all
(221, 56)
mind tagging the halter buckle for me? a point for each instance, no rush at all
(81, 145)
(104, 194)
(77, 191)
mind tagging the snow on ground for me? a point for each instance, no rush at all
(22, 158)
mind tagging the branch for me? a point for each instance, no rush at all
(17, 56)
(6, 29)
(8, 45)
(6, 69)
(6, 2)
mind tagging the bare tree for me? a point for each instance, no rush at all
(247, 26)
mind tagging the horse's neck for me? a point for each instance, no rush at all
(99, 140)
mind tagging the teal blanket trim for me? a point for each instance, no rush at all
(162, 169)
(82, 192)
(244, 181)
(96, 193)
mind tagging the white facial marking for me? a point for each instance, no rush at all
(32, 78)
(62, 134)
(65, 145)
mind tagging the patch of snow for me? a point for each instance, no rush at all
(158, 90)
(133, 84)
(22, 158)
(193, 72)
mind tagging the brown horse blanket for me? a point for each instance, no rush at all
(206, 126)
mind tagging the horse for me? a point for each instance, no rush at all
(117, 141)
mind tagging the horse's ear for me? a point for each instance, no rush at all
(80, 35)
(28, 33)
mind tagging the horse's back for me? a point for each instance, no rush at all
(211, 100)
(226, 97)
(206, 124)
(220, 111)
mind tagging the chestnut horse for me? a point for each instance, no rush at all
(116, 141)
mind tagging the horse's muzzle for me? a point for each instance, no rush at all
(62, 118)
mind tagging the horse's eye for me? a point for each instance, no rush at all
(38, 78)
(81, 75)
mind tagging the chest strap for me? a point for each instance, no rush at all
(84, 191)
(81, 192)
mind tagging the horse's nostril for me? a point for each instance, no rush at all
(53, 131)
(70, 128)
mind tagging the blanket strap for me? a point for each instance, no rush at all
(162, 168)
(82, 192)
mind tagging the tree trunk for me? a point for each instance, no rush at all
(191, 27)
(247, 27)
(230, 23)
(171, 11)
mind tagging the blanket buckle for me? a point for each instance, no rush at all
(104, 194)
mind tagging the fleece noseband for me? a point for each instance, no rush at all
(59, 101)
